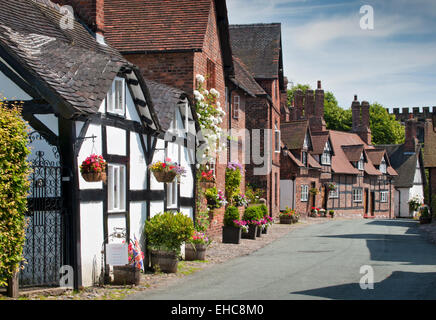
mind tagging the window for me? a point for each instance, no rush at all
(210, 77)
(334, 194)
(116, 97)
(304, 192)
(276, 194)
(276, 138)
(326, 157)
(383, 196)
(357, 195)
(360, 163)
(383, 166)
(172, 190)
(304, 158)
(116, 188)
(236, 103)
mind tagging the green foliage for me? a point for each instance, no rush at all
(384, 128)
(231, 214)
(202, 221)
(253, 194)
(253, 213)
(168, 230)
(335, 117)
(233, 181)
(264, 209)
(14, 188)
(291, 92)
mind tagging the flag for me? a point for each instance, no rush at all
(137, 255)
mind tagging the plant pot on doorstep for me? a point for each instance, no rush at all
(286, 220)
(195, 252)
(259, 232)
(166, 261)
(251, 234)
(126, 275)
(164, 176)
(232, 234)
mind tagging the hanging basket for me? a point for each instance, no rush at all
(94, 176)
(165, 176)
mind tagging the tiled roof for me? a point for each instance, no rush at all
(353, 152)
(67, 63)
(295, 160)
(340, 161)
(293, 133)
(156, 25)
(376, 155)
(259, 47)
(312, 162)
(319, 140)
(244, 79)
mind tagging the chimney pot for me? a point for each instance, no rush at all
(355, 97)
(319, 84)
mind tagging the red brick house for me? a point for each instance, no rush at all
(314, 159)
(259, 47)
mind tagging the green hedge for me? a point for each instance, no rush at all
(14, 188)
(253, 213)
(264, 210)
(231, 214)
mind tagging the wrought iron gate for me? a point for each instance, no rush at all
(44, 246)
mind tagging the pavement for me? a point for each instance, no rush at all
(321, 261)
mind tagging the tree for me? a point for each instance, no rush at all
(291, 92)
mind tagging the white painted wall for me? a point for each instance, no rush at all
(138, 216)
(156, 207)
(138, 166)
(187, 182)
(188, 211)
(115, 221)
(131, 113)
(91, 236)
(116, 141)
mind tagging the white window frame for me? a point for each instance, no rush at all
(383, 166)
(116, 99)
(383, 196)
(304, 193)
(236, 105)
(117, 187)
(276, 139)
(172, 194)
(357, 195)
(326, 157)
(334, 194)
(361, 163)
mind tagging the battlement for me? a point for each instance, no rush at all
(420, 113)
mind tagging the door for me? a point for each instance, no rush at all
(365, 202)
(372, 204)
(44, 243)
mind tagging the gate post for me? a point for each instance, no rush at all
(12, 290)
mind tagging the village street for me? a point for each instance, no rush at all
(322, 261)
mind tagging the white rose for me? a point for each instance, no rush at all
(200, 78)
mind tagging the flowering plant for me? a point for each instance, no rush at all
(266, 221)
(240, 200)
(287, 213)
(210, 115)
(241, 224)
(415, 203)
(215, 198)
(233, 165)
(93, 164)
(199, 238)
(314, 212)
(168, 166)
(207, 176)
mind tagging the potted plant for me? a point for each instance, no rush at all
(166, 171)
(93, 168)
(233, 180)
(215, 198)
(414, 205)
(207, 179)
(240, 200)
(322, 213)
(195, 248)
(314, 212)
(286, 216)
(130, 274)
(332, 213)
(232, 230)
(252, 216)
(166, 232)
(424, 215)
(266, 222)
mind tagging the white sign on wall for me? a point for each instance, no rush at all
(117, 254)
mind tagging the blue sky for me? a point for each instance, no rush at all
(393, 64)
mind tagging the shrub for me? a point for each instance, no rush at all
(264, 210)
(231, 214)
(253, 194)
(14, 188)
(167, 231)
(253, 213)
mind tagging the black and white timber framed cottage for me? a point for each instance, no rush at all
(80, 96)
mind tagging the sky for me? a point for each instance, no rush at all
(394, 63)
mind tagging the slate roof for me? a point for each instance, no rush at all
(244, 79)
(403, 163)
(293, 133)
(259, 47)
(68, 65)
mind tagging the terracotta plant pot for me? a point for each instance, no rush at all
(195, 252)
(251, 234)
(166, 261)
(286, 219)
(164, 176)
(231, 234)
(126, 275)
(94, 176)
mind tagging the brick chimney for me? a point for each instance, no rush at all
(411, 139)
(91, 12)
(285, 111)
(298, 104)
(355, 110)
(317, 122)
(365, 131)
(309, 103)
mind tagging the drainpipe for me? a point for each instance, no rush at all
(229, 114)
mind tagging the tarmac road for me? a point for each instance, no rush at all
(321, 261)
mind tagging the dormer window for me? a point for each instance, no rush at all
(360, 163)
(326, 157)
(382, 167)
(116, 97)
